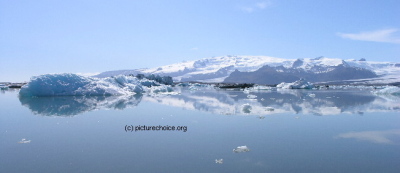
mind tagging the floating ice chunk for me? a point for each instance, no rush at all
(219, 161)
(261, 87)
(3, 87)
(241, 149)
(311, 95)
(300, 84)
(24, 141)
(246, 108)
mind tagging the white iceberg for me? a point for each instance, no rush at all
(300, 84)
(24, 141)
(68, 84)
(3, 86)
(241, 149)
(219, 161)
(261, 87)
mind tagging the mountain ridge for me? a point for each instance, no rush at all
(222, 68)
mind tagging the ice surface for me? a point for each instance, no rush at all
(68, 84)
(300, 84)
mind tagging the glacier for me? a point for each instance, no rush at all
(69, 84)
(323, 69)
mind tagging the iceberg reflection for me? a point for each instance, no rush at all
(74, 105)
(315, 102)
(227, 102)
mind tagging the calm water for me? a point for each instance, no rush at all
(286, 131)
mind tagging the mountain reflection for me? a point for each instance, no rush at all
(382, 137)
(266, 102)
(226, 102)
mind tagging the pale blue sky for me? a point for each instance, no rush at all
(88, 36)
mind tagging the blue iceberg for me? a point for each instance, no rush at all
(68, 84)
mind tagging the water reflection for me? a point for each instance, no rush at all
(227, 102)
(74, 105)
(316, 102)
(382, 137)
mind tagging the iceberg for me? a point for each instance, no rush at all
(241, 149)
(68, 84)
(219, 161)
(24, 141)
(3, 86)
(300, 84)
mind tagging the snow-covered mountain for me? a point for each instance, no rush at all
(262, 69)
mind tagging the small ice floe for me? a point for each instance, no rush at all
(269, 109)
(219, 161)
(300, 84)
(241, 149)
(311, 95)
(261, 87)
(3, 86)
(251, 96)
(24, 141)
(246, 108)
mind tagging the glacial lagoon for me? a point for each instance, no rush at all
(202, 129)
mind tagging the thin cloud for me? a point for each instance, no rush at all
(262, 5)
(255, 7)
(194, 48)
(384, 35)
